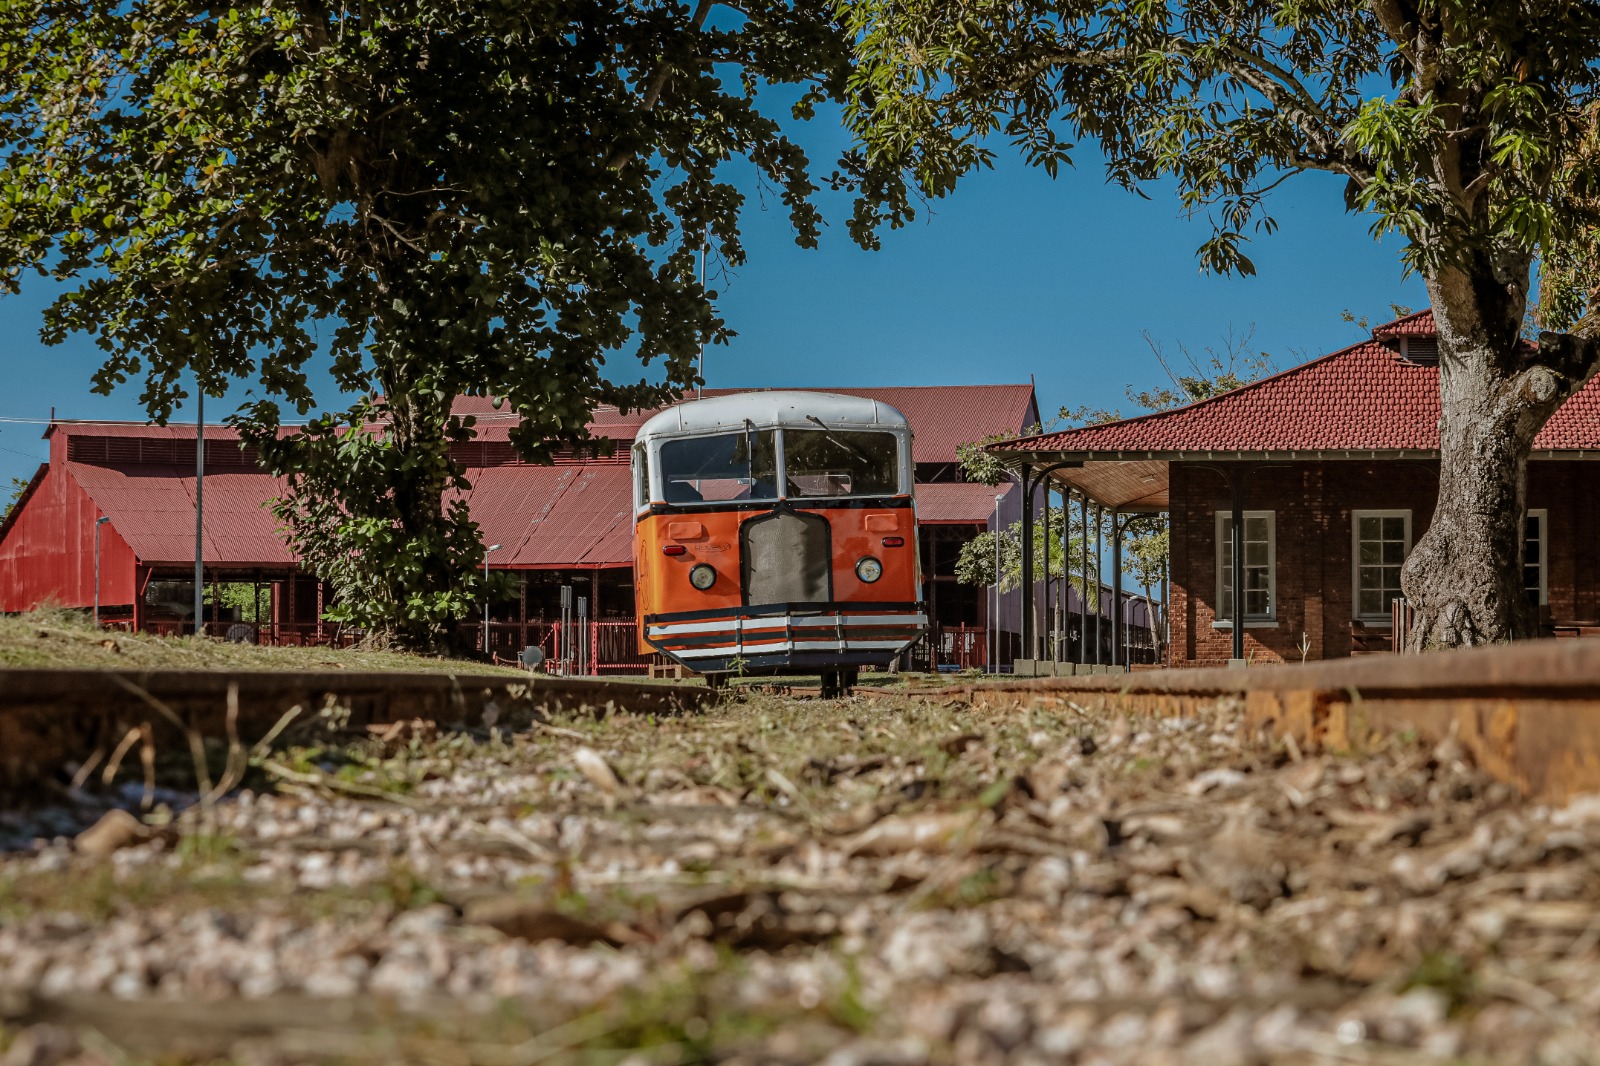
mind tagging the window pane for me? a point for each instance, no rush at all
(840, 462)
(1394, 551)
(730, 466)
(1371, 552)
(1394, 529)
(1257, 569)
(1371, 603)
(1370, 528)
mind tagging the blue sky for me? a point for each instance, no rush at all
(1014, 276)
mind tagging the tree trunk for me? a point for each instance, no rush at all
(1464, 578)
(418, 487)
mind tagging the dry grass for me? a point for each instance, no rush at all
(66, 639)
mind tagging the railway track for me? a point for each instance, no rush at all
(1529, 714)
(52, 718)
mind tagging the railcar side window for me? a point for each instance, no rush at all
(641, 476)
(840, 462)
(729, 466)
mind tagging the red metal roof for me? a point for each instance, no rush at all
(569, 515)
(1363, 398)
(554, 516)
(964, 504)
(152, 508)
(941, 416)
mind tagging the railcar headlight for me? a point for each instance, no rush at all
(702, 576)
(869, 569)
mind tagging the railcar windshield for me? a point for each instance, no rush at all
(825, 462)
(728, 466)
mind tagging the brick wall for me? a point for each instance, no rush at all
(1312, 503)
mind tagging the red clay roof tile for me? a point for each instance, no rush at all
(1364, 397)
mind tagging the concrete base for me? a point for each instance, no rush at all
(1238, 664)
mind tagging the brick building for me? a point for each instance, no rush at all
(569, 524)
(1333, 467)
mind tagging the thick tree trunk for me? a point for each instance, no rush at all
(1464, 577)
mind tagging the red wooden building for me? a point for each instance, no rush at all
(1333, 467)
(567, 524)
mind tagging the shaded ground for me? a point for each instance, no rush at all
(66, 639)
(881, 879)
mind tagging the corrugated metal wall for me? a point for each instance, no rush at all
(48, 554)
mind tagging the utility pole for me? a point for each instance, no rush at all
(486, 551)
(199, 505)
(699, 390)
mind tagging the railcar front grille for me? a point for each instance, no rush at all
(786, 557)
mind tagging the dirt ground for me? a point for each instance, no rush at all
(872, 880)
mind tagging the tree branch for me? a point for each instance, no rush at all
(658, 84)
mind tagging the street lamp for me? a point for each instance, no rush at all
(994, 618)
(98, 522)
(486, 551)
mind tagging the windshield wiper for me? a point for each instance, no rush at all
(846, 445)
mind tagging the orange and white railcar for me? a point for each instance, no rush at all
(776, 533)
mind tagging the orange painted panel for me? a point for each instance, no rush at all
(661, 582)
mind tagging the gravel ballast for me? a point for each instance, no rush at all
(779, 880)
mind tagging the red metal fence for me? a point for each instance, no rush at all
(609, 646)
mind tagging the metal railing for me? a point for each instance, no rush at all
(1401, 618)
(267, 634)
(607, 646)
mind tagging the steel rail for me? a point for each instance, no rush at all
(1528, 714)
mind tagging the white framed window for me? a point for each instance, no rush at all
(1380, 542)
(1260, 567)
(641, 476)
(1536, 556)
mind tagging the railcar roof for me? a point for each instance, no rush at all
(787, 407)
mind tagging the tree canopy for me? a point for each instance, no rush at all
(1468, 129)
(439, 198)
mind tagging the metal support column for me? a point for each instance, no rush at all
(1066, 573)
(1041, 652)
(1025, 644)
(1236, 544)
(1117, 649)
(1099, 554)
(1083, 597)
(1031, 480)
(594, 621)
